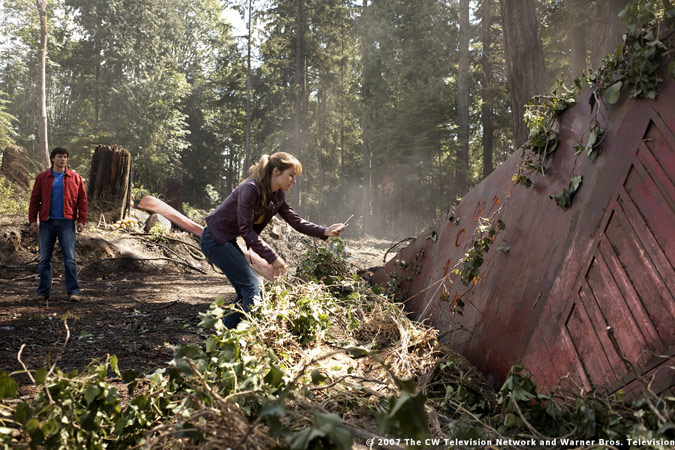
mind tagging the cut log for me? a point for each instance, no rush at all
(15, 167)
(155, 205)
(110, 179)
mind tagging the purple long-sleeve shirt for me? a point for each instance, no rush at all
(237, 214)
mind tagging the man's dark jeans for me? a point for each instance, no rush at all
(230, 259)
(64, 230)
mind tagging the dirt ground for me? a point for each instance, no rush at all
(140, 311)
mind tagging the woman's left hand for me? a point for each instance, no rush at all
(335, 230)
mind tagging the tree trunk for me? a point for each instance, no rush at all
(365, 152)
(607, 30)
(299, 91)
(578, 44)
(524, 59)
(578, 37)
(247, 160)
(171, 193)
(486, 107)
(109, 192)
(462, 163)
(42, 84)
(341, 195)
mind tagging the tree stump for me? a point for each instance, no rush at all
(15, 167)
(110, 178)
(171, 193)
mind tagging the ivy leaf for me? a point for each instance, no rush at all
(564, 199)
(129, 375)
(575, 183)
(114, 364)
(592, 145)
(612, 93)
(275, 377)
(207, 321)
(23, 413)
(317, 377)
(91, 393)
(357, 352)
(272, 409)
(433, 236)
(8, 385)
(405, 417)
(40, 376)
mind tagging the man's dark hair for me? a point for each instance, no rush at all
(58, 151)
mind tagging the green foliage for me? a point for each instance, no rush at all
(459, 390)
(595, 136)
(259, 373)
(326, 432)
(158, 232)
(564, 199)
(404, 417)
(637, 13)
(304, 312)
(635, 64)
(9, 205)
(540, 115)
(589, 415)
(7, 133)
(83, 410)
(7, 386)
(194, 213)
(326, 265)
(484, 236)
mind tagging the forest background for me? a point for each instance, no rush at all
(394, 107)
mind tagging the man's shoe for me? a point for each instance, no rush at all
(74, 297)
(39, 298)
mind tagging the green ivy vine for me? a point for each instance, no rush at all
(634, 66)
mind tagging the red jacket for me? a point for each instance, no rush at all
(74, 197)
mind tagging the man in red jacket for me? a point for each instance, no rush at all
(59, 198)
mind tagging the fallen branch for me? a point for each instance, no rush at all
(63, 348)
(384, 258)
(165, 305)
(23, 365)
(143, 259)
(168, 238)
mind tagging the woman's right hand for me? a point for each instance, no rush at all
(279, 266)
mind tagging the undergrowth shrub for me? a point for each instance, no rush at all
(312, 366)
(10, 203)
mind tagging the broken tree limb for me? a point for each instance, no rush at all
(153, 204)
(131, 258)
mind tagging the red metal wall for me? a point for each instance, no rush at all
(606, 261)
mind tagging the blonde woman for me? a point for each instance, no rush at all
(246, 212)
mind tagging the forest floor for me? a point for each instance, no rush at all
(134, 305)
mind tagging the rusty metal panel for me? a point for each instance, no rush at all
(606, 261)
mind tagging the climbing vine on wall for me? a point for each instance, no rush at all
(633, 67)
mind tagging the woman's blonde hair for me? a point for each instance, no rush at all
(262, 172)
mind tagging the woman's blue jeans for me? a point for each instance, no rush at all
(229, 258)
(64, 230)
